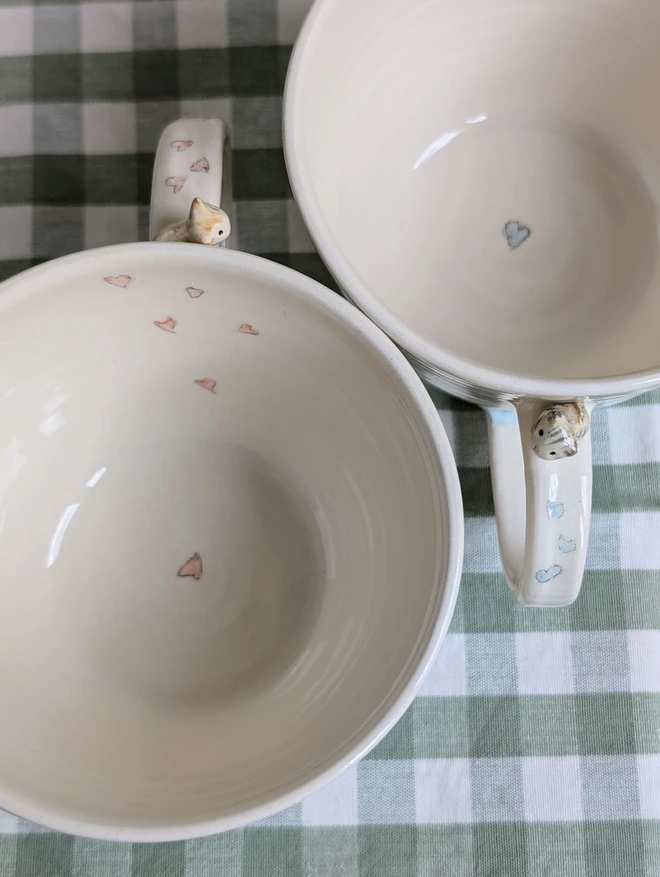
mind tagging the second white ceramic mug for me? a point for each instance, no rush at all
(500, 224)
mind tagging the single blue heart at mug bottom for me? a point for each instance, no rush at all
(544, 575)
(516, 233)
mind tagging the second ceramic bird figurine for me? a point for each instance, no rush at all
(206, 224)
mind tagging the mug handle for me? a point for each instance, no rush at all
(542, 506)
(193, 160)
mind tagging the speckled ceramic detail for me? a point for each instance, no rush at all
(516, 234)
(566, 546)
(558, 430)
(167, 325)
(247, 329)
(206, 383)
(192, 568)
(545, 575)
(122, 280)
(194, 292)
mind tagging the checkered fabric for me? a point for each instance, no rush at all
(534, 748)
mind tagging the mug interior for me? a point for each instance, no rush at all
(214, 486)
(490, 174)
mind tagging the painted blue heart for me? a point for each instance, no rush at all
(554, 509)
(516, 234)
(566, 545)
(544, 575)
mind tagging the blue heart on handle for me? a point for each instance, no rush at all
(566, 545)
(554, 509)
(544, 575)
(516, 234)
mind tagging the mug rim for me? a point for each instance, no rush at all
(441, 607)
(502, 384)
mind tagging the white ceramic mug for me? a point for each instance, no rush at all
(483, 181)
(230, 527)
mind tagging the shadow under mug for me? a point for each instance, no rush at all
(506, 238)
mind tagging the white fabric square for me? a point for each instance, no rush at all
(290, 16)
(633, 434)
(603, 552)
(648, 780)
(110, 224)
(446, 678)
(202, 24)
(16, 125)
(16, 32)
(544, 663)
(442, 791)
(640, 540)
(109, 128)
(482, 553)
(335, 804)
(644, 660)
(552, 789)
(106, 27)
(8, 823)
(16, 237)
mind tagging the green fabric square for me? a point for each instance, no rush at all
(59, 179)
(101, 858)
(444, 850)
(16, 80)
(259, 174)
(477, 492)
(107, 76)
(203, 73)
(57, 78)
(646, 713)
(219, 854)
(145, 171)
(628, 487)
(605, 724)
(255, 71)
(313, 266)
(159, 859)
(601, 604)
(44, 855)
(548, 725)
(156, 75)
(329, 852)
(8, 844)
(111, 179)
(556, 848)
(494, 726)
(16, 178)
(639, 589)
(276, 852)
(387, 850)
(440, 726)
(614, 849)
(651, 841)
(499, 850)
(398, 743)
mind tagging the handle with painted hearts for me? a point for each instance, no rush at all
(542, 493)
(193, 160)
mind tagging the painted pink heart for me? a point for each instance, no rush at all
(247, 329)
(207, 383)
(192, 568)
(168, 325)
(200, 166)
(193, 292)
(175, 183)
(123, 280)
(181, 145)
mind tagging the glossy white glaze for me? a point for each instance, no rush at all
(215, 476)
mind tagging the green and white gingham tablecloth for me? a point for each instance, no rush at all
(534, 748)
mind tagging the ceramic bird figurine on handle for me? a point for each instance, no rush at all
(205, 224)
(558, 430)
